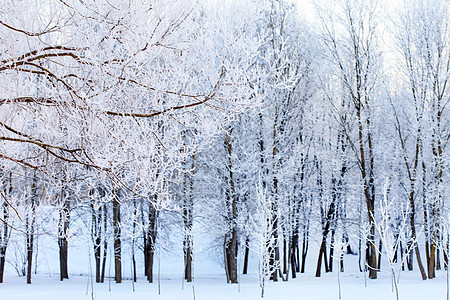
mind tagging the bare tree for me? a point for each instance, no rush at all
(350, 35)
(422, 42)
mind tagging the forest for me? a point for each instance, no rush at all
(143, 126)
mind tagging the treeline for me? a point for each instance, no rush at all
(138, 119)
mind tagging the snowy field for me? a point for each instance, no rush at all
(213, 287)
(209, 280)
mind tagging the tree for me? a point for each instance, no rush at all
(5, 212)
(99, 227)
(113, 87)
(384, 227)
(422, 43)
(264, 223)
(350, 36)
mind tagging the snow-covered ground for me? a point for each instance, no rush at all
(209, 280)
(207, 287)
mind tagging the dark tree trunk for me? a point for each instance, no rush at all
(133, 261)
(4, 237)
(380, 248)
(2, 262)
(188, 261)
(275, 258)
(322, 251)
(273, 247)
(413, 236)
(325, 260)
(432, 261)
(149, 261)
(341, 261)
(105, 242)
(117, 241)
(330, 257)
(63, 255)
(99, 226)
(95, 230)
(325, 230)
(246, 253)
(396, 239)
(188, 244)
(5, 233)
(438, 259)
(360, 253)
(231, 256)
(63, 242)
(401, 256)
(409, 257)
(30, 241)
(230, 240)
(305, 247)
(292, 250)
(150, 232)
(133, 242)
(30, 224)
(445, 253)
(285, 257)
(297, 258)
(188, 222)
(372, 255)
(366, 166)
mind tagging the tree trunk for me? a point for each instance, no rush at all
(445, 252)
(409, 258)
(305, 247)
(63, 242)
(30, 224)
(325, 259)
(285, 257)
(230, 241)
(150, 232)
(30, 241)
(369, 192)
(188, 262)
(188, 222)
(438, 259)
(413, 233)
(380, 248)
(432, 262)
(292, 250)
(396, 240)
(117, 241)
(231, 256)
(322, 251)
(325, 230)
(5, 233)
(2, 262)
(63, 254)
(105, 242)
(401, 256)
(95, 231)
(246, 253)
(330, 257)
(133, 242)
(150, 259)
(273, 248)
(4, 237)
(360, 253)
(438, 144)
